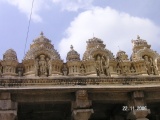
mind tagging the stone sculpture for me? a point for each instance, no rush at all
(82, 69)
(105, 64)
(102, 65)
(64, 70)
(42, 66)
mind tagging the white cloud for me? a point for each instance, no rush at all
(113, 27)
(73, 5)
(25, 7)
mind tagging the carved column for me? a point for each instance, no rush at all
(8, 108)
(81, 108)
(139, 108)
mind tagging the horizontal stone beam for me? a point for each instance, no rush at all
(21, 82)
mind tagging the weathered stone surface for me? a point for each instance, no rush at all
(82, 100)
(7, 105)
(82, 114)
(5, 96)
(138, 94)
(8, 115)
(141, 113)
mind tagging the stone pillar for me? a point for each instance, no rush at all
(81, 108)
(8, 108)
(137, 102)
(83, 114)
(141, 114)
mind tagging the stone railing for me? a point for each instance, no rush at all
(20, 82)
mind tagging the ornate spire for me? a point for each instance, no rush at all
(72, 55)
(41, 33)
(41, 43)
(71, 47)
(138, 37)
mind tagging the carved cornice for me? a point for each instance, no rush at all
(124, 82)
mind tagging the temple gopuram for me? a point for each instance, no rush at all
(100, 86)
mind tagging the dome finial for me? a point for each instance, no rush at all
(72, 55)
(71, 47)
(41, 33)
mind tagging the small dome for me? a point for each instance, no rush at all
(73, 55)
(10, 55)
(122, 55)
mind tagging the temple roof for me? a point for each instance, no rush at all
(42, 45)
(10, 54)
(122, 55)
(73, 55)
(94, 46)
(139, 44)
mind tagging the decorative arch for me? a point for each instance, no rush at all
(146, 51)
(46, 53)
(101, 52)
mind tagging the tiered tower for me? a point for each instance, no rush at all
(42, 59)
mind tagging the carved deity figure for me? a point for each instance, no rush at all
(125, 69)
(20, 71)
(132, 70)
(105, 64)
(64, 70)
(99, 68)
(151, 68)
(42, 66)
(154, 69)
(49, 66)
(82, 69)
(118, 69)
(147, 64)
(102, 65)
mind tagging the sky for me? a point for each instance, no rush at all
(73, 22)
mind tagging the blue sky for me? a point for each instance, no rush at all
(67, 22)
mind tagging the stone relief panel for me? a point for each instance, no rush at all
(102, 65)
(150, 66)
(64, 70)
(82, 69)
(43, 66)
(132, 69)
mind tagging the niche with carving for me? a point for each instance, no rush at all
(42, 65)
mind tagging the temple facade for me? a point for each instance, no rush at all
(100, 86)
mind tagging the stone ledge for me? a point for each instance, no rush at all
(8, 112)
